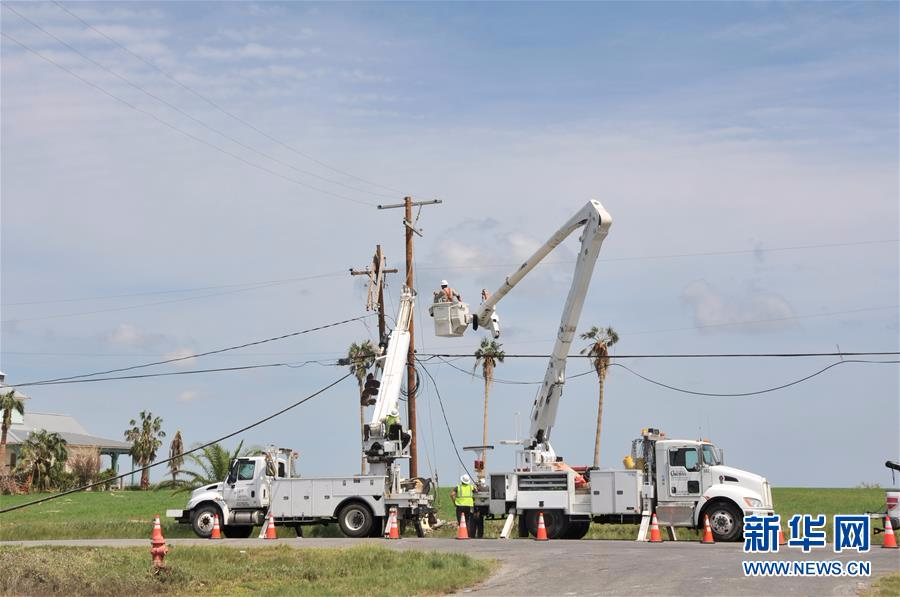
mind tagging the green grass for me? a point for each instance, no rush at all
(129, 514)
(886, 586)
(362, 570)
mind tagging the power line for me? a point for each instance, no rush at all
(680, 355)
(192, 450)
(673, 255)
(682, 390)
(186, 114)
(197, 355)
(754, 393)
(153, 304)
(182, 131)
(221, 109)
(168, 374)
(447, 422)
(260, 284)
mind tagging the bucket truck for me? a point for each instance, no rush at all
(359, 504)
(680, 480)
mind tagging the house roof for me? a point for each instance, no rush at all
(4, 389)
(67, 427)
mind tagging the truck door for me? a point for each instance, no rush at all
(240, 486)
(684, 472)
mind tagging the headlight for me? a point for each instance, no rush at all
(753, 502)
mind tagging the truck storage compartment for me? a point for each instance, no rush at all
(615, 491)
(675, 514)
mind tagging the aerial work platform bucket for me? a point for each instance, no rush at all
(450, 319)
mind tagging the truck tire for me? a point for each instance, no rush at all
(577, 529)
(237, 531)
(202, 519)
(555, 522)
(726, 521)
(355, 520)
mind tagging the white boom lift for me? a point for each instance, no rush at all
(360, 504)
(681, 480)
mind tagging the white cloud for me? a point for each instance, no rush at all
(130, 336)
(188, 395)
(715, 311)
(181, 353)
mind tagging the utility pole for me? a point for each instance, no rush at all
(376, 289)
(410, 225)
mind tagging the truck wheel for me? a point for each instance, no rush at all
(202, 519)
(726, 521)
(355, 520)
(555, 522)
(237, 531)
(577, 529)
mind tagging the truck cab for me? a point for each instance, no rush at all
(692, 481)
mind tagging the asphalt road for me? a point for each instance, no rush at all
(597, 567)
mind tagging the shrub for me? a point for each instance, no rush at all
(85, 467)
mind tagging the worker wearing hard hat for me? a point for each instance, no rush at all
(463, 496)
(446, 294)
(394, 427)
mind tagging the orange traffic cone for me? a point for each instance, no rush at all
(216, 532)
(390, 522)
(463, 531)
(781, 539)
(270, 527)
(541, 530)
(157, 536)
(395, 528)
(707, 531)
(655, 537)
(890, 541)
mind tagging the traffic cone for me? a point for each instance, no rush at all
(216, 532)
(463, 531)
(390, 523)
(890, 541)
(541, 530)
(157, 536)
(781, 539)
(270, 527)
(395, 528)
(707, 531)
(655, 537)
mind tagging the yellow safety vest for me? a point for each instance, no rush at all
(464, 495)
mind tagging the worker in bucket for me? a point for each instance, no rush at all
(446, 294)
(463, 496)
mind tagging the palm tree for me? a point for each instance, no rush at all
(601, 339)
(8, 403)
(145, 441)
(175, 455)
(488, 354)
(214, 463)
(41, 458)
(361, 357)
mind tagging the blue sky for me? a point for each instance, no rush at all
(709, 127)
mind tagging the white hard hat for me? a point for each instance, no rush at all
(465, 479)
(445, 283)
(395, 412)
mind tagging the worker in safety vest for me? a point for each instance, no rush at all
(463, 496)
(446, 294)
(394, 427)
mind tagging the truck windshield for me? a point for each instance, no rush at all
(711, 455)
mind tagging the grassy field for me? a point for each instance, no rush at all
(128, 514)
(886, 586)
(363, 570)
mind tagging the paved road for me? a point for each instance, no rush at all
(596, 567)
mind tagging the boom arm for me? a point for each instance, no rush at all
(451, 319)
(394, 362)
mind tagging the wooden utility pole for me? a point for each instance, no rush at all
(409, 225)
(376, 289)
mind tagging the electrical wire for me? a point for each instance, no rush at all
(186, 114)
(220, 108)
(195, 449)
(677, 356)
(437, 392)
(260, 284)
(182, 131)
(196, 355)
(754, 393)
